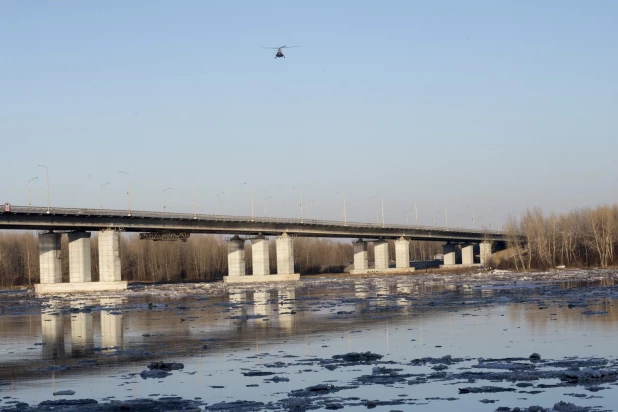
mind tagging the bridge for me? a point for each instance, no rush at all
(460, 245)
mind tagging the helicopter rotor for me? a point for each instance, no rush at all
(279, 48)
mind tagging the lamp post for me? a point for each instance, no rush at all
(163, 198)
(46, 184)
(218, 196)
(101, 195)
(445, 217)
(251, 189)
(129, 191)
(415, 214)
(301, 204)
(382, 203)
(194, 196)
(497, 225)
(307, 207)
(265, 199)
(345, 217)
(29, 197)
(407, 220)
(434, 216)
(459, 218)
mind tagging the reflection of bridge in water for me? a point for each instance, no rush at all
(82, 329)
(240, 320)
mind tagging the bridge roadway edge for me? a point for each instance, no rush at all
(233, 225)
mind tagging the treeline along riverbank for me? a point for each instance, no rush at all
(584, 238)
(201, 258)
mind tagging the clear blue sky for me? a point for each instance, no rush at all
(493, 104)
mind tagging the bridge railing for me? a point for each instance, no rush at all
(138, 214)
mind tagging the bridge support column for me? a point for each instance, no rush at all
(380, 249)
(467, 255)
(260, 257)
(80, 272)
(361, 260)
(109, 256)
(49, 258)
(485, 252)
(80, 269)
(402, 253)
(450, 252)
(285, 255)
(261, 262)
(236, 257)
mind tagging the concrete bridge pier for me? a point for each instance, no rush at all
(402, 253)
(260, 257)
(380, 250)
(80, 272)
(109, 256)
(361, 258)
(49, 258)
(467, 255)
(450, 254)
(236, 257)
(381, 257)
(80, 269)
(485, 253)
(261, 266)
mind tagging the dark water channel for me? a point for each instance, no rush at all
(97, 345)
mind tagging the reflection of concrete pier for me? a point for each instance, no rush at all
(82, 330)
(287, 308)
(52, 333)
(262, 304)
(361, 290)
(111, 324)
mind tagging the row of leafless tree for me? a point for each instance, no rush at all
(202, 257)
(583, 237)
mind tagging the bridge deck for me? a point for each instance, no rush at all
(38, 218)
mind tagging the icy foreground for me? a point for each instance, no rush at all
(491, 356)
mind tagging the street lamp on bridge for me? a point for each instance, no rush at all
(407, 217)
(382, 203)
(345, 217)
(459, 218)
(194, 196)
(251, 189)
(434, 216)
(497, 225)
(307, 207)
(301, 204)
(128, 191)
(101, 194)
(46, 184)
(265, 199)
(163, 197)
(29, 198)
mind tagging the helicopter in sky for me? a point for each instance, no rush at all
(279, 52)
